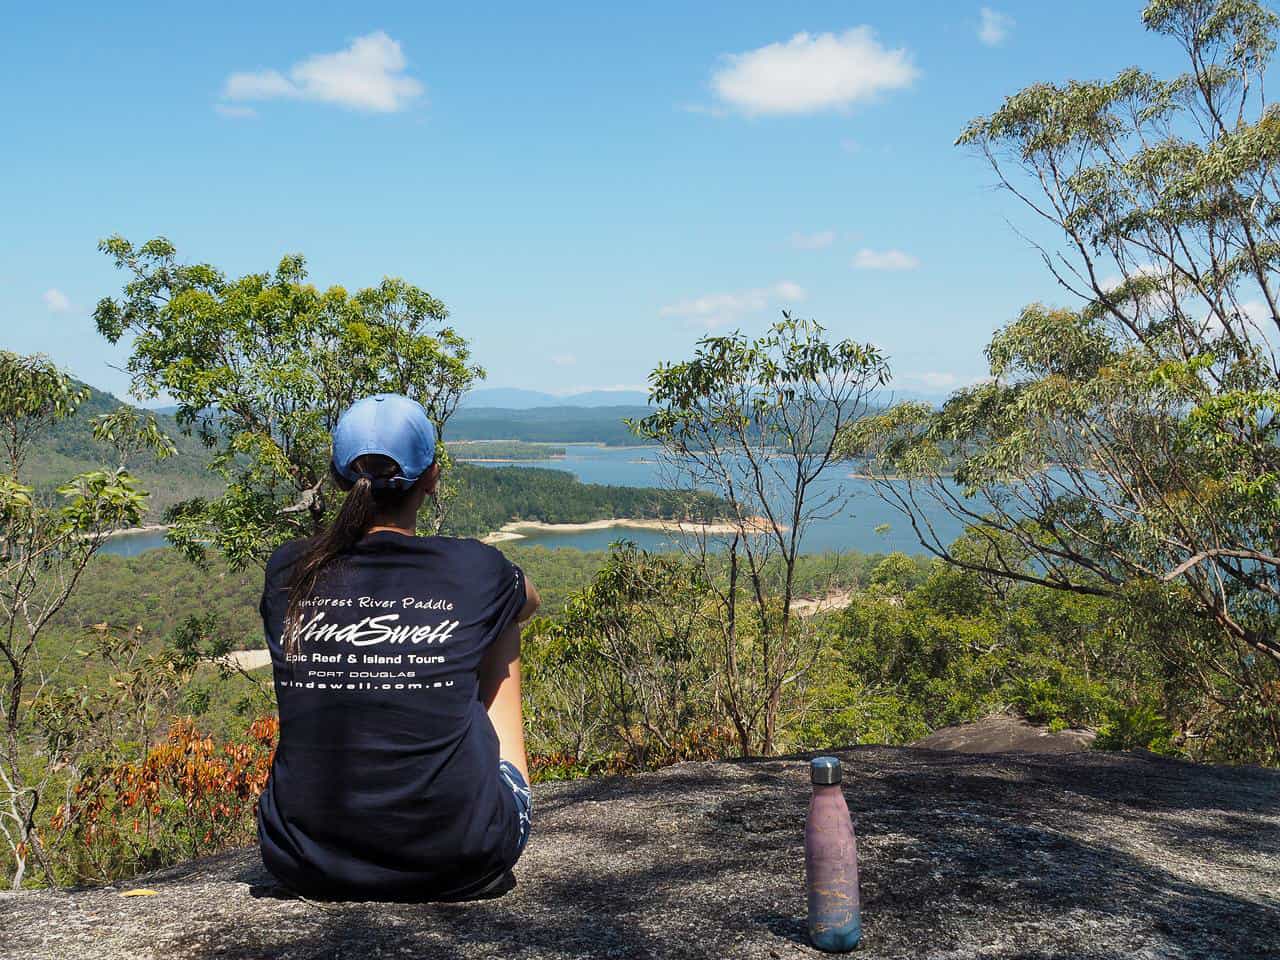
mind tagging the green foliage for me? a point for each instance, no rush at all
(896, 574)
(789, 390)
(1128, 446)
(261, 367)
(1139, 727)
(621, 673)
(488, 497)
(45, 543)
(630, 672)
(103, 433)
(34, 394)
(757, 421)
(948, 650)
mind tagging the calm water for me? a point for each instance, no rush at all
(853, 530)
(135, 543)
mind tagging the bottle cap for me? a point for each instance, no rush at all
(825, 770)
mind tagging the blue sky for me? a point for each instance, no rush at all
(589, 189)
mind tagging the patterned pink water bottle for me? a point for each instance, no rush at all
(831, 862)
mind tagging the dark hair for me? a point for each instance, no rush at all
(361, 507)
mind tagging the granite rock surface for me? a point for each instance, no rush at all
(1006, 734)
(1083, 855)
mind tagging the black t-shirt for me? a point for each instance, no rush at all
(385, 782)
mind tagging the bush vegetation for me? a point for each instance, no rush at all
(1119, 476)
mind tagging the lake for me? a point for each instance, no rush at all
(854, 529)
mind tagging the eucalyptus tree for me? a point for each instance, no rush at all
(46, 542)
(623, 670)
(1125, 443)
(261, 367)
(755, 421)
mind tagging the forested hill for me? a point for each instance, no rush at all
(567, 424)
(69, 448)
(546, 424)
(489, 497)
(486, 498)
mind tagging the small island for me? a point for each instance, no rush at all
(502, 451)
(516, 529)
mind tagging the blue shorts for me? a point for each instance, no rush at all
(524, 799)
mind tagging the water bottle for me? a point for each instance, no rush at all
(831, 862)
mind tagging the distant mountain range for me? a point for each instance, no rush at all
(514, 398)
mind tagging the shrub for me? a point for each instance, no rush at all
(190, 796)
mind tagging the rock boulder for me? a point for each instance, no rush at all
(1083, 855)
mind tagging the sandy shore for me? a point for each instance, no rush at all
(890, 476)
(551, 459)
(807, 606)
(132, 531)
(248, 659)
(517, 529)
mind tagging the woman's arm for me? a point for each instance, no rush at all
(500, 686)
(532, 600)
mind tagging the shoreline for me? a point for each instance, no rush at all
(512, 531)
(517, 529)
(549, 459)
(856, 475)
(134, 531)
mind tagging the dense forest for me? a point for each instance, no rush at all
(503, 450)
(69, 447)
(488, 497)
(546, 424)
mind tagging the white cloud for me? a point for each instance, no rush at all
(56, 300)
(994, 27)
(262, 85)
(786, 290)
(368, 75)
(721, 309)
(813, 241)
(1258, 315)
(935, 381)
(868, 259)
(811, 73)
(564, 359)
(1114, 280)
(1257, 312)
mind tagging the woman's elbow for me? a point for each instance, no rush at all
(532, 600)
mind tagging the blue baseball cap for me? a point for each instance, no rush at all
(389, 424)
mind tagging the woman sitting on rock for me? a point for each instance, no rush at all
(401, 770)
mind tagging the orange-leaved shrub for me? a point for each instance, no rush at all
(189, 796)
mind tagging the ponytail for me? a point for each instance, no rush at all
(358, 512)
